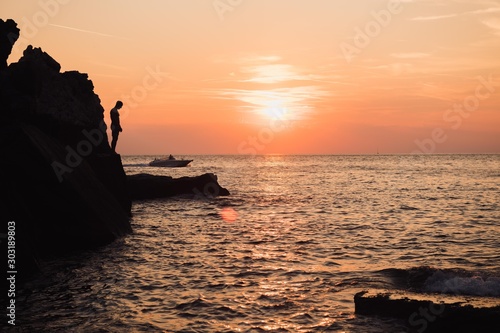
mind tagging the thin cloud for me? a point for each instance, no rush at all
(260, 59)
(106, 65)
(268, 69)
(489, 10)
(493, 24)
(431, 18)
(85, 31)
(298, 101)
(110, 75)
(274, 73)
(411, 55)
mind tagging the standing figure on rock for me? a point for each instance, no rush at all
(115, 124)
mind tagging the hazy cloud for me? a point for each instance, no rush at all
(411, 55)
(489, 10)
(436, 17)
(493, 23)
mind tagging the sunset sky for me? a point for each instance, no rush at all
(282, 76)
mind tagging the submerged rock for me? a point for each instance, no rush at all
(146, 186)
(432, 312)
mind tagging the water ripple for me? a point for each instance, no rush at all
(310, 232)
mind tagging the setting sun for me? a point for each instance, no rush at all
(343, 76)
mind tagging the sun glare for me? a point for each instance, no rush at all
(228, 214)
(275, 111)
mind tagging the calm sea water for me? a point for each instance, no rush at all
(287, 251)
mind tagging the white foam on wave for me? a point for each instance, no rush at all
(451, 283)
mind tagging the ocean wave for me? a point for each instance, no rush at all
(446, 281)
(194, 304)
(449, 283)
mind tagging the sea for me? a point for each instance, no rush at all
(286, 251)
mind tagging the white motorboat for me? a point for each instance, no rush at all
(169, 162)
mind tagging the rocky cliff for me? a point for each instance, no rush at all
(64, 188)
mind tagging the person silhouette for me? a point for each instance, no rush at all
(115, 124)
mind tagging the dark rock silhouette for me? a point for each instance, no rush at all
(65, 189)
(432, 312)
(146, 186)
(9, 33)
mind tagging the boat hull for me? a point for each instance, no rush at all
(170, 163)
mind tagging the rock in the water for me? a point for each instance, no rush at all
(146, 186)
(432, 312)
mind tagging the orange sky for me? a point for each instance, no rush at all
(282, 76)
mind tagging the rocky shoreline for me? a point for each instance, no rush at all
(66, 189)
